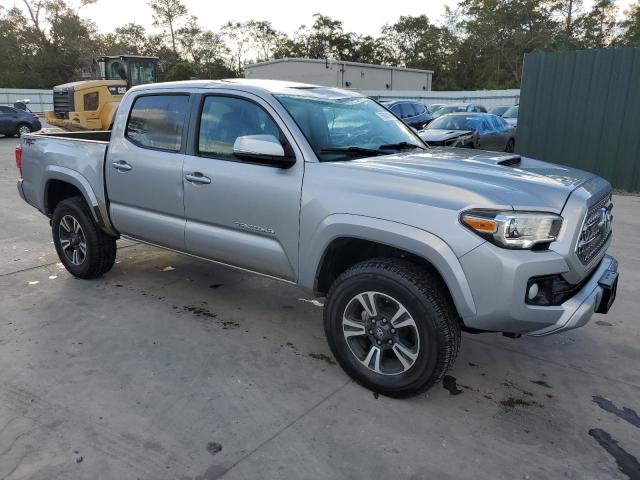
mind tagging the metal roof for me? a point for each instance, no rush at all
(355, 64)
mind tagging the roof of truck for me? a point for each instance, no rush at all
(273, 87)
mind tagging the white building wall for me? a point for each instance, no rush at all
(342, 74)
(39, 100)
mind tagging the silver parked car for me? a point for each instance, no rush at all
(470, 130)
(327, 190)
(511, 116)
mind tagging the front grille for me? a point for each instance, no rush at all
(596, 230)
(62, 103)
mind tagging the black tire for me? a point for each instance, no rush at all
(100, 248)
(23, 126)
(425, 298)
(511, 146)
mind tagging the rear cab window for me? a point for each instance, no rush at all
(157, 121)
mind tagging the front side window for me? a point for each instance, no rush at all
(511, 113)
(142, 72)
(156, 121)
(343, 128)
(224, 119)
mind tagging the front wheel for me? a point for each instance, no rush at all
(511, 144)
(84, 249)
(392, 326)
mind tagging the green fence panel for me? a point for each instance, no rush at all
(582, 109)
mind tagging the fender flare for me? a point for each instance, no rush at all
(397, 235)
(63, 174)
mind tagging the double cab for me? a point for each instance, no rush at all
(326, 189)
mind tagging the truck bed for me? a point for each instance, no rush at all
(76, 157)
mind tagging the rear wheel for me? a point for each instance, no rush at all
(392, 326)
(23, 129)
(83, 248)
(511, 144)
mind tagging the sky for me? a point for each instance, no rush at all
(362, 17)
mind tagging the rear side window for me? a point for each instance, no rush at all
(91, 101)
(407, 110)
(6, 110)
(224, 119)
(156, 121)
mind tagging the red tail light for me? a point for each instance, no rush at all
(19, 158)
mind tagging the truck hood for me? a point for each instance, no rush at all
(466, 177)
(439, 135)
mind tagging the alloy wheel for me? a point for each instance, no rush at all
(72, 240)
(381, 333)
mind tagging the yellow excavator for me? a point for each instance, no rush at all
(91, 104)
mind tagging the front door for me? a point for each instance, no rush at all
(240, 213)
(144, 171)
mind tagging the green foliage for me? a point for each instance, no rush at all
(180, 71)
(480, 44)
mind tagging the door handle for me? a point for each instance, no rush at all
(121, 166)
(197, 177)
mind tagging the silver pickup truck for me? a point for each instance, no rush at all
(327, 189)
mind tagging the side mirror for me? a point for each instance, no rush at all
(262, 149)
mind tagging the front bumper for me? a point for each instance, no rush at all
(589, 300)
(498, 280)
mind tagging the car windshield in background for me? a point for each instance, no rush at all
(455, 122)
(498, 110)
(346, 128)
(451, 109)
(511, 113)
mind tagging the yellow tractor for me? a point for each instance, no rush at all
(91, 104)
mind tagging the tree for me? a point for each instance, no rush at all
(166, 14)
(630, 26)
(598, 27)
(238, 35)
(181, 71)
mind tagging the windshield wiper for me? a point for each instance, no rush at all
(359, 151)
(400, 146)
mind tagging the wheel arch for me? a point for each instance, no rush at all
(61, 183)
(342, 240)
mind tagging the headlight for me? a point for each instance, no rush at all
(510, 229)
(461, 140)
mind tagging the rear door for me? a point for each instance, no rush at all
(144, 170)
(241, 213)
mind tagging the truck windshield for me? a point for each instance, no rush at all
(346, 128)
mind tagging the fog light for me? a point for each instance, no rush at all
(533, 291)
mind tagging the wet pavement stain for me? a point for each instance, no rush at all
(627, 463)
(323, 357)
(450, 383)
(212, 473)
(542, 383)
(623, 413)
(214, 448)
(603, 323)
